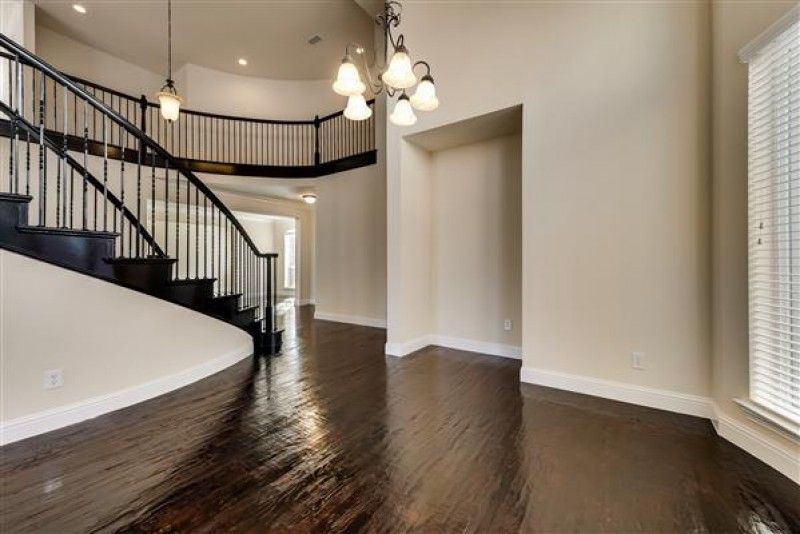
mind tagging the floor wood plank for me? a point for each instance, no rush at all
(332, 436)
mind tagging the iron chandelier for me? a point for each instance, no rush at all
(397, 77)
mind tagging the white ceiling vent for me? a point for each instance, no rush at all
(314, 39)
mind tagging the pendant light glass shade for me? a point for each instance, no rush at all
(399, 73)
(424, 98)
(403, 115)
(170, 104)
(348, 82)
(357, 108)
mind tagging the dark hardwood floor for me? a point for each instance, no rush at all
(332, 436)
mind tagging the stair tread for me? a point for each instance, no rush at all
(66, 231)
(224, 297)
(246, 309)
(193, 281)
(136, 261)
(14, 197)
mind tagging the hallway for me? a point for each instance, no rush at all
(333, 436)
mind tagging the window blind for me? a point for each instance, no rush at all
(774, 223)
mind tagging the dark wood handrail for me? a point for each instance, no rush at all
(97, 184)
(145, 140)
(120, 94)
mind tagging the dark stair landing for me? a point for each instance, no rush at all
(92, 253)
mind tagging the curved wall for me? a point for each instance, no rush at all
(115, 346)
(204, 89)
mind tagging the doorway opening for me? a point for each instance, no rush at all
(278, 234)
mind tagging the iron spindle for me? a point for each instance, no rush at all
(138, 201)
(177, 221)
(166, 207)
(42, 158)
(105, 174)
(212, 244)
(188, 227)
(152, 198)
(196, 232)
(85, 163)
(123, 139)
(205, 236)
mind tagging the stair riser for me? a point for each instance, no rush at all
(242, 319)
(79, 253)
(13, 214)
(194, 295)
(224, 307)
(150, 278)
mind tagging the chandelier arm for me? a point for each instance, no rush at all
(375, 86)
(424, 64)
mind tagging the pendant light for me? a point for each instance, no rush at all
(168, 99)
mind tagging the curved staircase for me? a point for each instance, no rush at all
(144, 222)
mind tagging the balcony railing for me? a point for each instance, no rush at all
(207, 142)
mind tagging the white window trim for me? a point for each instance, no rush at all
(756, 412)
(752, 49)
(770, 419)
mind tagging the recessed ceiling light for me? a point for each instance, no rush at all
(309, 198)
(79, 8)
(242, 62)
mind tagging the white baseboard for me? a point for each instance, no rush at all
(351, 319)
(400, 349)
(662, 399)
(62, 416)
(470, 345)
(779, 458)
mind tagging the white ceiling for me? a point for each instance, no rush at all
(286, 188)
(271, 34)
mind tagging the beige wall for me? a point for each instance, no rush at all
(52, 318)
(615, 170)
(78, 59)
(735, 24)
(203, 88)
(351, 240)
(476, 238)
(222, 92)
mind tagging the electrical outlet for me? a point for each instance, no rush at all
(507, 325)
(53, 379)
(637, 361)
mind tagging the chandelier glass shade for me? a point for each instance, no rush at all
(169, 102)
(348, 81)
(403, 115)
(400, 73)
(357, 108)
(424, 98)
(397, 76)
